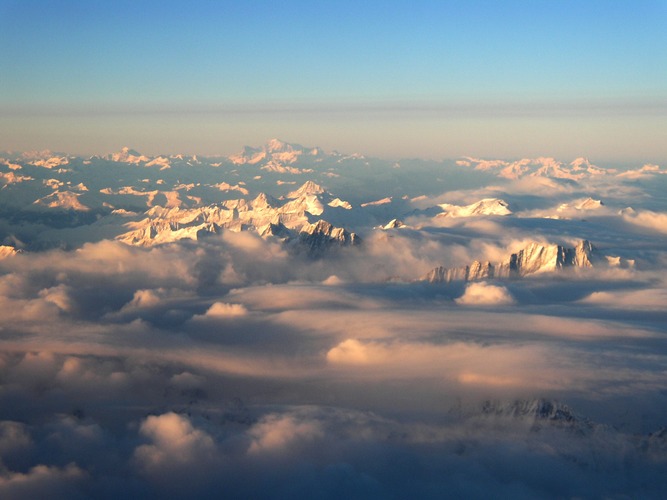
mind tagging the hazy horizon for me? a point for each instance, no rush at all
(431, 80)
(447, 277)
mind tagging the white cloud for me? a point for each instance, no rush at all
(187, 380)
(298, 296)
(143, 299)
(485, 294)
(653, 299)
(648, 219)
(41, 481)
(470, 364)
(176, 446)
(277, 432)
(58, 295)
(13, 437)
(224, 310)
(333, 280)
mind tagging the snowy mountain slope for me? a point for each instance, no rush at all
(182, 196)
(577, 170)
(487, 206)
(275, 152)
(293, 217)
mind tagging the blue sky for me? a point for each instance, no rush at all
(430, 78)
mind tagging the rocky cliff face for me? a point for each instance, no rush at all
(535, 258)
(531, 409)
(321, 235)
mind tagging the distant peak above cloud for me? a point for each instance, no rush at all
(275, 150)
(578, 169)
(533, 259)
(278, 146)
(129, 151)
(487, 206)
(128, 155)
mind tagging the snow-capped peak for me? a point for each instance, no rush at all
(579, 163)
(274, 151)
(583, 204)
(263, 201)
(128, 155)
(308, 188)
(578, 169)
(129, 151)
(278, 146)
(487, 206)
(249, 155)
(393, 224)
(588, 204)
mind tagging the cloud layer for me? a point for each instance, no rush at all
(243, 366)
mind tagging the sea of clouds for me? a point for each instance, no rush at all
(235, 367)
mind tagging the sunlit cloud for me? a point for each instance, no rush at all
(223, 310)
(648, 299)
(42, 480)
(175, 443)
(648, 219)
(276, 432)
(484, 294)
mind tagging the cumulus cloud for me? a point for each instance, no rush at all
(143, 299)
(58, 295)
(39, 368)
(176, 446)
(647, 219)
(112, 260)
(13, 438)
(485, 294)
(333, 280)
(276, 432)
(42, 481)
(224, 310)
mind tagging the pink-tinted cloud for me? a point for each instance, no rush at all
(485, 294)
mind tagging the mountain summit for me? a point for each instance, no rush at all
(308, 188)
(274, 150)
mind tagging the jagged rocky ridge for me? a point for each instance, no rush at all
(537, 415)
(321, 235)
(291, 219)
(533, 409)
(535, 258)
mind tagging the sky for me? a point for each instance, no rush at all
(432, 79)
